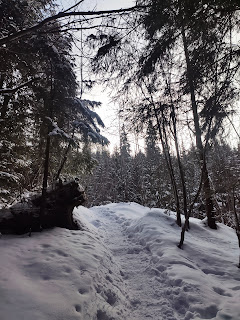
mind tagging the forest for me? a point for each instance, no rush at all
(123, 232)
(176, 81)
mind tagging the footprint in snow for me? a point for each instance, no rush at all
(221, 292)
(102, 315)
(46, 277)
(236, 288)
(45, 245)
(109, 279)
(67, 269)
(61, 253)
(78, 308)
(214, 272)
(111, 297)
(82, 290)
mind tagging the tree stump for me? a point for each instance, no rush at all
(60, 201)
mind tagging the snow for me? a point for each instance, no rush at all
(124, 265)
(9, 176)
(56, 131)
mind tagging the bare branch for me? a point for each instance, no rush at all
(66, 29)
(60, 15)
(74, 6)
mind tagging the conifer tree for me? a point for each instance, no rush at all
(198, 38)
(38, 96)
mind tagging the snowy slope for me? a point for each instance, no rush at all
(125, 265)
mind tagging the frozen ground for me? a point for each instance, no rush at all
(124, 265)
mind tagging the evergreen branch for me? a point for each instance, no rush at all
(13, 90)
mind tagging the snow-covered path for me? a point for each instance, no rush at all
(145, 285)
(125, 264)
(161, 281)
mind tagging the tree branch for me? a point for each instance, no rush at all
(74, 6)
(60, 15)
(13, 90)
(56, 30)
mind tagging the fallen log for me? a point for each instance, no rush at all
(25, 217)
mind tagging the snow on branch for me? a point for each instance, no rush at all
(6, 175)
(13, 90)
(94, 115)
(88, 120)
(83, 106)
(95, 136)
(105, 141)
(91, 103)
(56, 131)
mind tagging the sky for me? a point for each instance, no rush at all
(99, 4)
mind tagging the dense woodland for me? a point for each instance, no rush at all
(174, 68)
(143, 178)
(42, 114)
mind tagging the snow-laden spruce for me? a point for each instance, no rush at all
(124, 265)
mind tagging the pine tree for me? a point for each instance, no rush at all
(38, 98)
(208, 60)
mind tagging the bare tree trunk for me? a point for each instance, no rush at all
(167, 157)
(172, 174)
(237, 222)
(4, 107)
(48, 105)
(187, 217)
(180, 167)
(64, 159)
(198, 133)
(169, 165)
(45, 180)
(174, 121)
